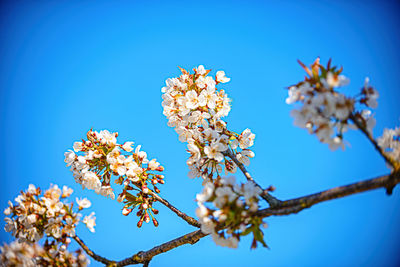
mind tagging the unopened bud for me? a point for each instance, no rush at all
(139, 224)
(154, 181)
(155, 222)
(160, 168)
(147, 218)
(154, 211)
(126, 211)
(157, 190)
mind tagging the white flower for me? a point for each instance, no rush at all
(208, 191)
(221, 78)
(207, 225)
(200, 70)
(201, 211)
(244, 156)
(78, 146)
(66, 191)
(336, 80)
(69, 157)
(127, 146)
(91, 180)
(294, 95)
(153, 164)
(90, 222)
(192, 100)
(31, 189)
(141, 154)
(214, 151)
(194, 152)
(108, 138)
(246, 139)
(250, 190)
(106, 191)
(83, 203)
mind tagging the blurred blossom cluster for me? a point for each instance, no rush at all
(326, 112)
(35, 215)
(226, 204)
(103, 157)
(194, 107)
(390, 143)
(22, 254)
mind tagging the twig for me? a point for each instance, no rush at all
(146, 256)
(92, 254)
(272, 201)
(187, 218)
(369, 136)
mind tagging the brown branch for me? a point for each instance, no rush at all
(190, 220)
(284, 208)
(272, 201)
(295, 205)
(146, 256)
(92, 254)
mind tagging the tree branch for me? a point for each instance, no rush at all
(146, 256)
(272, 201)
(190, 220)
(295, 205)
(287, 207)
(92, 254)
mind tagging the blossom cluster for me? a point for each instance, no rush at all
(194, 107)
(23, 254)
(226, 204)
(34, 215)
(390, 143)
(101, 157)
(326, 112)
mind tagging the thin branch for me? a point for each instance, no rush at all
(92, 254)
(287, 207)
(369, 136)
(272, 201)
(146, 256)
(190, 220)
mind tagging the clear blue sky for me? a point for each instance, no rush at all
(68, 66)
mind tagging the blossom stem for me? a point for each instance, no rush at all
(184, 216)
(272, 201)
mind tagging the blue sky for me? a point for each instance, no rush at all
(68, 66)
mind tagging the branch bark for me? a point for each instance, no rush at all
(297, 204)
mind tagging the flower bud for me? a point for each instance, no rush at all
(147, 218)
(154, 211)
(126, 211)
(160, 168)
(155, 222)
